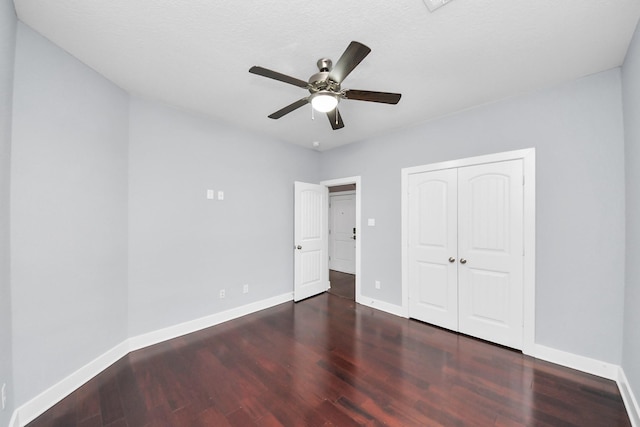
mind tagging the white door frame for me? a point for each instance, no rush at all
(357, 181)
(529, 165)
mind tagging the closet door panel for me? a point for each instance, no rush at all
(490, 250)
(433, 289)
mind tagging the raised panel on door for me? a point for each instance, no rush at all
(342, 245)
(311, 275)
(490, 248)
(433, 294)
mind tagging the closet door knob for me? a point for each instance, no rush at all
(452, 259)
(463, 261)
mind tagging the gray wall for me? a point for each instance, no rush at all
(69, 215)
(576, 129)
(184, 248)
(631, 98)
(7, 50)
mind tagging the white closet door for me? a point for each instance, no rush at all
(433, 294)
(490, 251)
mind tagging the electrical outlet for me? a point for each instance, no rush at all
(245, 288)
(222, 293)
(377, 284)
(4, 396)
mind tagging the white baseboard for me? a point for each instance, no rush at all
(630, 401)
(397, 310)
(45, 400)
(14, 422)
(155, 337)
(574, 361)
(48, 398)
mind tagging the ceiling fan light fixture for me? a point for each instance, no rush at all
(324, 101)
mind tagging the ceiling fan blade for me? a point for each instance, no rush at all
(367, 95)
(349, 60)
(289, 108)
(335, 119)
(278, 76)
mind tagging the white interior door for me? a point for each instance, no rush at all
(311, 275)
(490, 251)
(433, 274)
(342, 228)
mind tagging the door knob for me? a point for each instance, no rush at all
(354, 237)
(298, 247)
(463, 261)
(452, 259)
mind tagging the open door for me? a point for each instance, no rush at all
(311, 275)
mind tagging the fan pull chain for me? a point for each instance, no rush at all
(337, 112)
(312, 117)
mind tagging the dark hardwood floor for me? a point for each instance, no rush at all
(327, 361)
(342, 284)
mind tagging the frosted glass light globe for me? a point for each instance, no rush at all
(324, 101)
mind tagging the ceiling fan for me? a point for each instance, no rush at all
(324, 87)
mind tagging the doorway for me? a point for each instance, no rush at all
(342, 240)
(344, 237)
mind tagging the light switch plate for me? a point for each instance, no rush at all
(220, 195)
(371, 222)
(210, 194)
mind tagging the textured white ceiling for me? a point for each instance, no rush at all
(196, 54)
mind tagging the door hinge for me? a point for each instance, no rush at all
(522, 179)
(329, 231)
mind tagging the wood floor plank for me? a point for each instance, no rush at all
(110, 404)
(327, 361)
(131, 396)
(342, 284)
(87, 404)
(211, 417)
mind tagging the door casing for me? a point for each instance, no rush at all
(529, 209)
